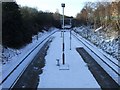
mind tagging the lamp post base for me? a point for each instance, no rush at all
(64, 67)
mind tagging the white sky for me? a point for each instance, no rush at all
(72, 7)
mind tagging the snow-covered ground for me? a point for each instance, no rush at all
(14, 57)
(104, 38)
(100, 54)
(105, 43)
(78, 75)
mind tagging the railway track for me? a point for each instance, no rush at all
(115, 67)
(9, 81)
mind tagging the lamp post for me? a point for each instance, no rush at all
(70, 32)
(63, 55)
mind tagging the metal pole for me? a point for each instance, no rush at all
(63, 17)
(63, 39)
(63, 25)
(63, 55)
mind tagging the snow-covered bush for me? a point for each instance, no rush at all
(104, 38)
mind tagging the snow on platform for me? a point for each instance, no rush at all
(78, 75)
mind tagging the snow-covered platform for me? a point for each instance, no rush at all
(78, 75)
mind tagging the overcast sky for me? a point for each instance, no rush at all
(72, 7)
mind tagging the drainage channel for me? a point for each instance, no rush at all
(30, 77)
(104, 80)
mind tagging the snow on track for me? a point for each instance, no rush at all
(9, 75)
(109, 64)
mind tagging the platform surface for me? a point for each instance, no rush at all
(78, 75)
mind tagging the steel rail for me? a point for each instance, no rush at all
(99, 56)
(23, 61)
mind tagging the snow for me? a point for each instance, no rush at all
(14, 59)
(102, 55)
(98, 29)
(67, 26)
(78, 75)
(104, 38)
